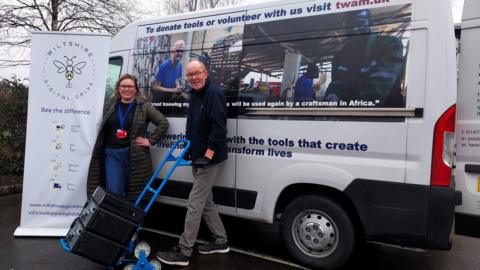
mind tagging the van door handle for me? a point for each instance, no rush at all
(472, 168)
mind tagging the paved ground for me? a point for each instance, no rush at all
(46, 253)
(255, 246)
(30, 253)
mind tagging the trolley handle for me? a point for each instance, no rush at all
(178, 161)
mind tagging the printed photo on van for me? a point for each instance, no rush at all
(347, 59)
(160, 62)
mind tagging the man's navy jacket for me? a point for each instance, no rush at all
(207, 123)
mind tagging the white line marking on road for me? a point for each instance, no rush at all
(246, 252)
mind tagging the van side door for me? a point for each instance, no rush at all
(159, 59)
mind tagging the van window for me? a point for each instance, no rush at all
(113, 73)
(350, 59)
(160, 64)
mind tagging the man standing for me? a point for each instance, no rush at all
(169, 72)
(207, 131)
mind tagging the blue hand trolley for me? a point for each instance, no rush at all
(114, 252)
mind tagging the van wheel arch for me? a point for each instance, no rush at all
(292, 192)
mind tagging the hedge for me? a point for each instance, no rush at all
(13, 123)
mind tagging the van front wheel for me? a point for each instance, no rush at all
(318, 232)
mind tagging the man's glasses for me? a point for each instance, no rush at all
(194, 75)
(179, 51)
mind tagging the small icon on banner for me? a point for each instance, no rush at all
(57, 186)
(56, 166)
(58, 146)
(58, 127)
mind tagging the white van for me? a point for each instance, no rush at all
(341, 116)
(467, 171)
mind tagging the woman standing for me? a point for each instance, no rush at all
(121, 160)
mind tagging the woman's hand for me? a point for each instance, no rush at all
(142, 142)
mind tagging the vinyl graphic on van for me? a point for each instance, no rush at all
(353, 59)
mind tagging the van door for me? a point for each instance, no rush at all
(467, 172)
(218, 47)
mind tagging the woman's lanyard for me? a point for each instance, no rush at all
(121, 133)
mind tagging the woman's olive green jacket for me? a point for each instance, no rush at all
(140, 161)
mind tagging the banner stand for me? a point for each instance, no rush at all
(68, 74)
(47, 232)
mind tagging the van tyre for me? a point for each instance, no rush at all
(318, 232)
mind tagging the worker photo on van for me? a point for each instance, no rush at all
(160, 61)
(348, 59)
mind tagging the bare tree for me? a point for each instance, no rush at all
(18, 18)
(181, 6)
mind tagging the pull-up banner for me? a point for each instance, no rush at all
(67, 88)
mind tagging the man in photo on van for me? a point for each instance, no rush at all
(207, 130)
(368, 67)
(304, 85)
(167, 80)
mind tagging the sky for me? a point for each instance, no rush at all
(155, 7)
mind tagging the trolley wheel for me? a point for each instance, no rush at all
(156, 264)
(142, 245)
(129, 267)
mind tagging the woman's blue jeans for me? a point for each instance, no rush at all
(117, 170)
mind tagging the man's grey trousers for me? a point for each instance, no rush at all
(200, 204)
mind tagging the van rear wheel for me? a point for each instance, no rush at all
(318, 232)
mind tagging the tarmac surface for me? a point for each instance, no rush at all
(43, 253)
(254, 246)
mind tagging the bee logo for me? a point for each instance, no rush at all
(69, 68)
